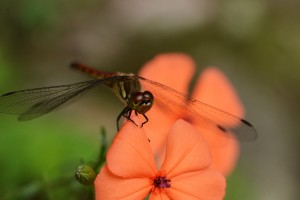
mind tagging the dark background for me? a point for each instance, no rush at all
(255, 43)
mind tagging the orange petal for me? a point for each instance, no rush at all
(224, 149)
(159, 196)
(186, 151)
(130, 155)
(174, 70)
(225, 157)
(157, 129)
(215, 89)
(110, 186)
(206, 184)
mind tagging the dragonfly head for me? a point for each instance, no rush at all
(141, 102)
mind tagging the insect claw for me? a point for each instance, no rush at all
(133, 122)
(145, 121)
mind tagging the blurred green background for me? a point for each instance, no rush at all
(255, 42)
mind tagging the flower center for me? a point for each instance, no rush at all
(162, 182)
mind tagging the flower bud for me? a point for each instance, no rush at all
(85, 174)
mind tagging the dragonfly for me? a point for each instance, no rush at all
(139, 94)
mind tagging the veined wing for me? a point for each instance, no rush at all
(196, 111)
(32, 103)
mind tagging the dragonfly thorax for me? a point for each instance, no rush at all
(141, 102)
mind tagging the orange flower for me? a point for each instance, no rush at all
(131, 171)
(176, 70)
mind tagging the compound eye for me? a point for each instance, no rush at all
(142, 101)
(148, 96)
(137, 98)
(146, 103)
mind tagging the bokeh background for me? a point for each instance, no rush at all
(255, 43)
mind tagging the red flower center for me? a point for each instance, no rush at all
(162, 182)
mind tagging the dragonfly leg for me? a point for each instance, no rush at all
(126, 112)
(123, 113)
(127, 116)
(144, 121)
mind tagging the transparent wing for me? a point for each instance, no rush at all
(32, 103)
(191, 109)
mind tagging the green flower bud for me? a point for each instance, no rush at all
(85, 174)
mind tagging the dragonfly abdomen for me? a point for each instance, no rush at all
(92, 72)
